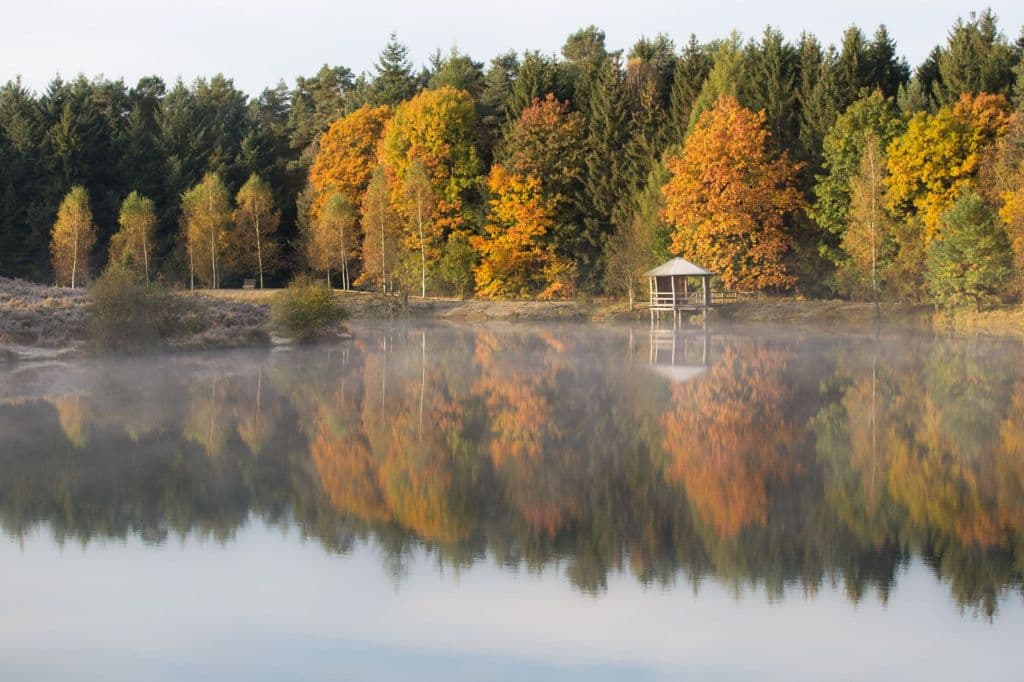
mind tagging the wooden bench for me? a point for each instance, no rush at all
(249, 284)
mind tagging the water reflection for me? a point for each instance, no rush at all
(776, 461)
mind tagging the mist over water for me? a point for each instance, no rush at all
(546, 502)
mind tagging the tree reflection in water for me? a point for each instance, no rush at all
(771, 461)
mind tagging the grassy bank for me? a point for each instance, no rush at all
(826, 315)
(38, 321)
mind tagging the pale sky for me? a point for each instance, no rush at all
(257, 42)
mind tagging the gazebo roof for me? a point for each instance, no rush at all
(676, 266)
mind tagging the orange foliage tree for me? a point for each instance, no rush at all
(346, 157)
(727, 198)
(516, 259)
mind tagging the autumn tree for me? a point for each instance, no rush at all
(256, 222)
(970, 261)
(72, 238)
(938, 156)
(134, 240)
(515, 259)
(330, 244)
(437, 129)
(346, 156)
(727, 199)
(380, 224)
(547, 142)
(206, 217)
(420, 233)
(1001, 180)
(867, 237)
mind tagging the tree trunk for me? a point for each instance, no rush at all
(259, 250)
(423, 251)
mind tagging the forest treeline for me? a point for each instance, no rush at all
(781, 165)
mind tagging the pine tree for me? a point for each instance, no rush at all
(394, 81)
(607, 131)
(977, 58)
(971, 263)
(770, 85)
(691, 70)
(885, 70)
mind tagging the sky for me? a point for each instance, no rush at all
(258, 42)
(269, 605)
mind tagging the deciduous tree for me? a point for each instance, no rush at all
(938, 155)
(72, 238)
(134, 240)
(380, 224)
(206, 217)
(256, 222)
(727, 199)
(515, 260)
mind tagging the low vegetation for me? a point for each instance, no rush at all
(129, 315)
(306, 309)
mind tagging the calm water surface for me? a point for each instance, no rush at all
(456, 503)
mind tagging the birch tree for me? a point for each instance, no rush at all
(72, 238)
(134, 240)
(206, 215)
(256, 221)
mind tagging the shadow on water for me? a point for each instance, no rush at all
(782, 461)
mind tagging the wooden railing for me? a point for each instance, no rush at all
(667, 299)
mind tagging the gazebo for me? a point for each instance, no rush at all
(670, 288)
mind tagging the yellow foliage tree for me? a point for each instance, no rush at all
(331, 240)
(134, 240)
(726, 199)
(938, 156)
(72, 238)
(515, 259)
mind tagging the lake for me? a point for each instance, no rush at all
(447, 502)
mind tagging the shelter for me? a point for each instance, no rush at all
(670, 287)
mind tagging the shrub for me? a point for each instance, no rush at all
(306, 308)
(128, 315)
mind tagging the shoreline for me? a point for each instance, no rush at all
(40, 322)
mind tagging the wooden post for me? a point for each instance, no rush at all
(706, 290)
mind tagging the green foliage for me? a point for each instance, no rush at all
(843, 147)
(306, 308)
(457, 263)
(970, 261)
(129, 315)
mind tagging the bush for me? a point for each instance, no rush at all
(306, 308)
(127, 315)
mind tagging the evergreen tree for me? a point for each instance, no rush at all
(394, 81)
(770, 85)
(691, 70)
(723, 80)
(971, 263)
(886, 71)
(977, 58)
(604, 187)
